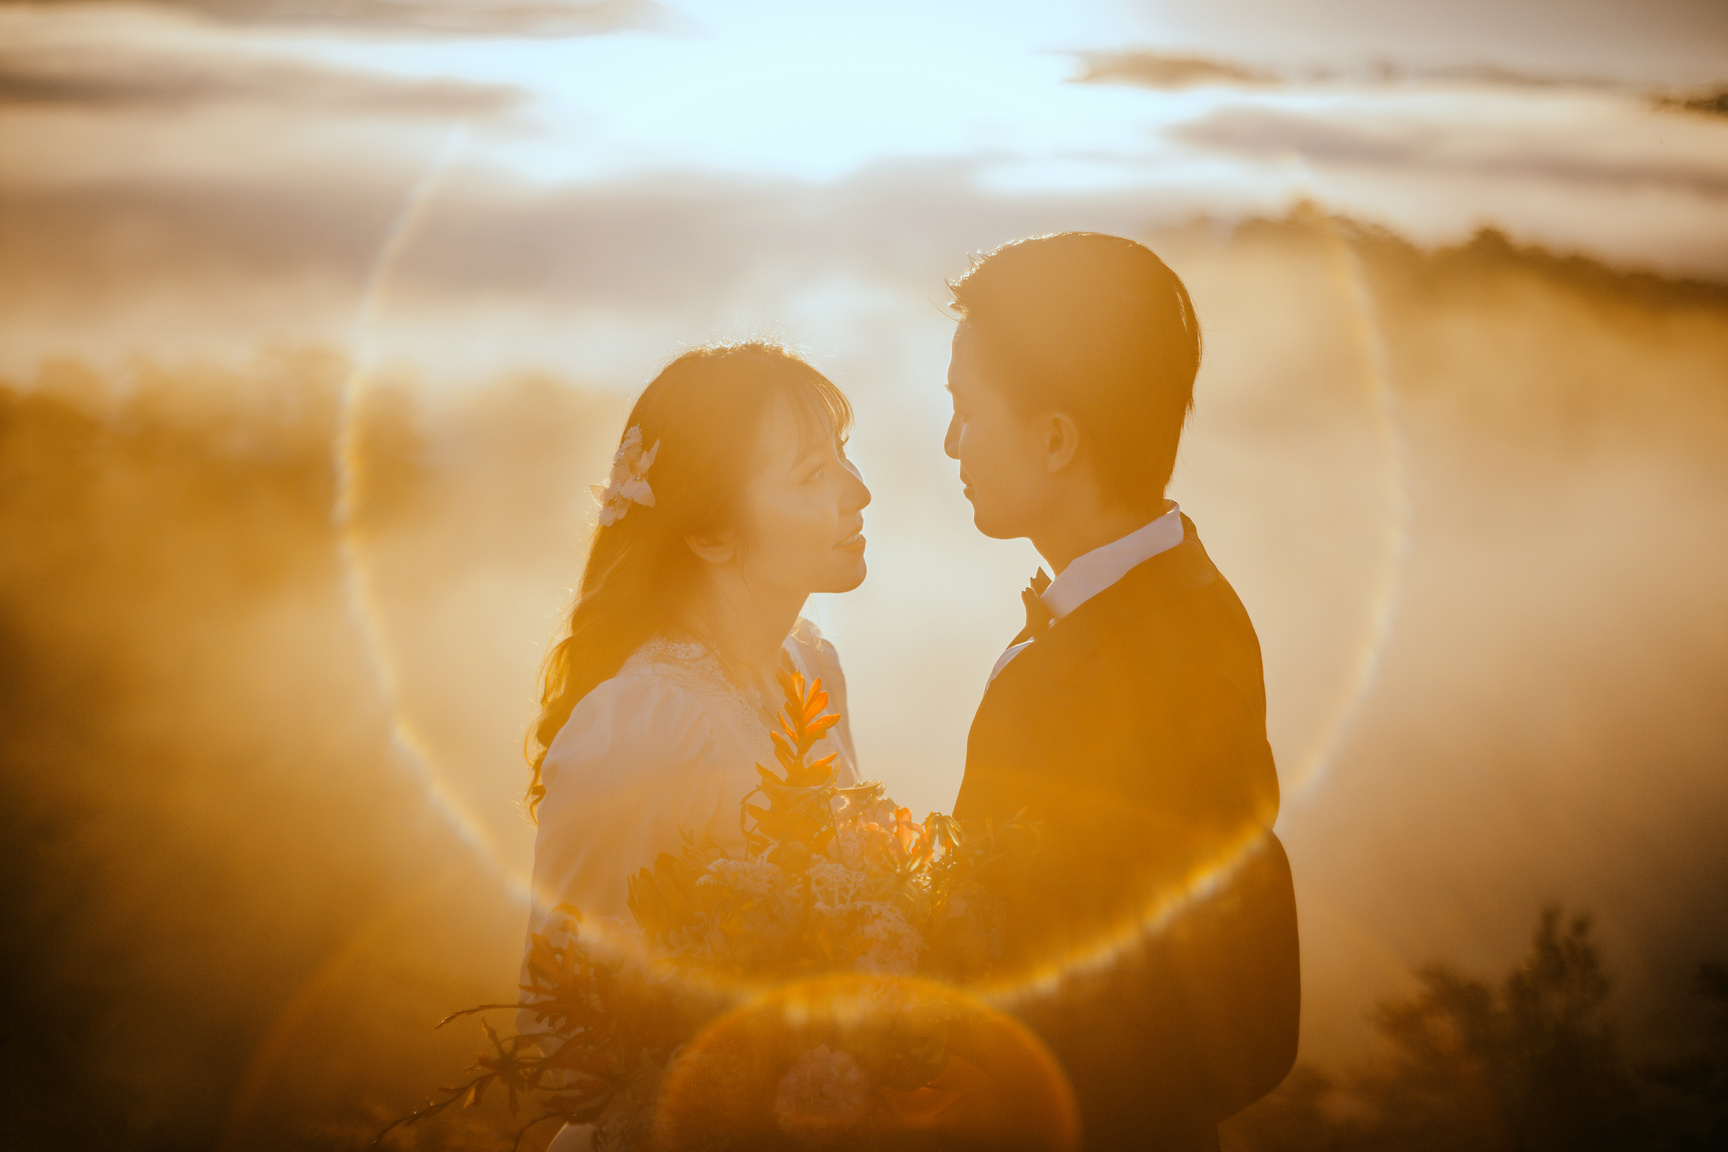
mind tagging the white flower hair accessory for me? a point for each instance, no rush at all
(628, 483)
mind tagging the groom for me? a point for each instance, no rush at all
(1128, 718)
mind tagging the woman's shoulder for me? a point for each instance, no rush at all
(815, 654)
(659, 710)
(806, 639)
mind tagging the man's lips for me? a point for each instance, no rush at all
(852, 543)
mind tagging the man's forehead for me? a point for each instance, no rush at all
(959, 358)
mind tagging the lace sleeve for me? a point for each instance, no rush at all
(638, 763)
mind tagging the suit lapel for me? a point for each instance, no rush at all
(1055, 654)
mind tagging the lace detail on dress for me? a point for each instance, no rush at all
(695, 667)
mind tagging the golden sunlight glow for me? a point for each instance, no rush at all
(317, 325)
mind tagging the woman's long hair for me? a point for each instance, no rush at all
(704, 410)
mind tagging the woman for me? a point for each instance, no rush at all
(731, 501)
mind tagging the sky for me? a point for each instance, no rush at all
(240, 136)
(458, 197)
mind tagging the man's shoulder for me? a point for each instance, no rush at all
(1177, 603)
(1150, 635)
(1170, 633)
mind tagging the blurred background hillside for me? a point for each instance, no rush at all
(316, 321)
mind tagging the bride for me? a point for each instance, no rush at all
(731, 500)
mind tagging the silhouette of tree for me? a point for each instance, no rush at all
(1530, 1065)
(1693, 1088)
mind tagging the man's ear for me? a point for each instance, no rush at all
(1061, 441)
(717, 549)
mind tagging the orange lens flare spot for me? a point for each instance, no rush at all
(867, 1055)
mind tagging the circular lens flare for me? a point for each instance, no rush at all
(356, 482)
(1397, 510)
(1154, 911)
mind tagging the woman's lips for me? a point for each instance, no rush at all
(852, 543)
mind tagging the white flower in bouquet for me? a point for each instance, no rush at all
(835, 885)
(824, 1096)
(752, 877)
(891, 946)
(858, 843)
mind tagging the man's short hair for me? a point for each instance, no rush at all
(1096, 326)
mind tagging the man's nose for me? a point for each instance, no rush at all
(951, 442)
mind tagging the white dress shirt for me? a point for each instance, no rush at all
(1088, 575)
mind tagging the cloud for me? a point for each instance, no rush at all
(455, 18)
(1655, 42)
(1498, 75)
(1708, 103)
(1408, 144)
(1165, 73)
(121, 77)
(1169, 73)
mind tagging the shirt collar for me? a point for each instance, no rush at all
(1088, 575)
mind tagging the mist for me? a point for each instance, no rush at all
(269, 797)
(315, 328)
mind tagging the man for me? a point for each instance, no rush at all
(1156, 927)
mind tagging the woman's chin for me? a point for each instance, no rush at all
(850, 578)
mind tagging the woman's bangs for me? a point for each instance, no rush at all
(824, 414)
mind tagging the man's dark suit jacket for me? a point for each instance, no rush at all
(1133, 731)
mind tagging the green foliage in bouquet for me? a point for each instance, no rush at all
(833, 880)
(597, 1028)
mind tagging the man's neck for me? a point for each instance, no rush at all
(1079, 532)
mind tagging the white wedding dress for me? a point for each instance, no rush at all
(668, 745)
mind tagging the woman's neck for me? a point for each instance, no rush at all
(747, 627)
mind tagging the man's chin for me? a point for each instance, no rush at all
(995, 527)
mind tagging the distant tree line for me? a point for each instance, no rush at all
(1531, 1064)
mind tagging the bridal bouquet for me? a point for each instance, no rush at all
(796, 996)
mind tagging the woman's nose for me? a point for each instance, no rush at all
(859, 496)
(951, 441)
